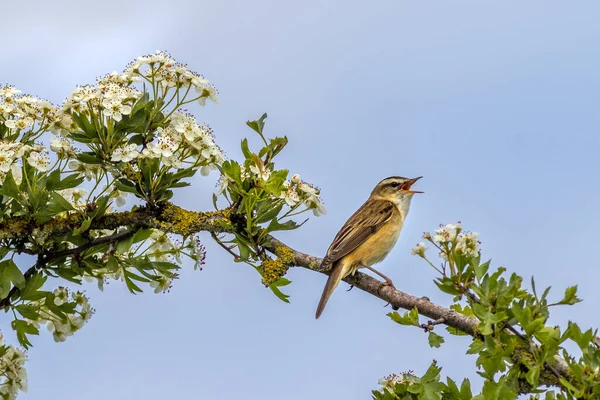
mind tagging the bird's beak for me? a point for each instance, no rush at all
(406, 187)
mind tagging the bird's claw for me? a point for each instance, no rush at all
(350, 288)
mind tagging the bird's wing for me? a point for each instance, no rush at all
(361, 225)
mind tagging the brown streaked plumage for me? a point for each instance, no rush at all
(369, 234)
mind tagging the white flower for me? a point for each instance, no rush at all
(296, 179)
(186, 125)
(419, 249)
(17, 173)
(290, 196)
(468, 243)
(125, 153)
(87, 170)
(310, 196)
(161, 241)
(209, 92)
(263, 173)
(163, 284)
(223, 184)
(119, 196)
(319, 210)
(61, 295)
(9, 91)
(6, 160)
(172, 161)
(79, 194)
(38, 161)
(115, 109)
(61, 146)
(447, 233)
(165, 144)
(21, 123)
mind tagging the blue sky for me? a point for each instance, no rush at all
(495, 104)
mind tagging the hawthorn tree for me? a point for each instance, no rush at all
(65, 171)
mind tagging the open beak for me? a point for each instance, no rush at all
(406, 187)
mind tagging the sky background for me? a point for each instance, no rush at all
(494, 103)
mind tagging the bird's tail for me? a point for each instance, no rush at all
(338, 272)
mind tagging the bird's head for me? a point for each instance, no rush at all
(396, 189)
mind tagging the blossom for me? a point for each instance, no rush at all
(115, 109)
(17, 173)
(468, 243)
(39, 161)
(6, 160)
(161, 284)
(447, 233)
(207, 92)
(419, 249)
(9, 91)
(11, 363)
(223, 183)
(61, 295)
(289, 194)
(172, 161)
(160, 241)
(125, 153)
(165, 144)
(118, 195)
(87, 170)
(310, 196)
(296, 179)
(262, 172)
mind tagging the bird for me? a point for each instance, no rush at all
(369, 234)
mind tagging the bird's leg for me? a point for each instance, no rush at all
(388, 281)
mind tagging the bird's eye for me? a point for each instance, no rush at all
(394, 184)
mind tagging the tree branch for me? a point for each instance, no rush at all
(174, 219)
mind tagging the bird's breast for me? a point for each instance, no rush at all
(378, 245)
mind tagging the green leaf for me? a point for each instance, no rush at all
(133, 288)
(282, 296)
(70, 181)
(28, 311)
(245, 150)
(286, 226)
(60, 203)
(267, 214)
(24, 328)
(31, 290)
(101, 206)
(10, 273)
(447, 285)
(533, 375)
(10, 188)
(482, 269)
(435, 340)
(14, 274)
(126, 186)
(124, 245)
(476, 346)
(85, 225)
(89, 158)
(277, 144)
(258, 125)
(410, 318)
(141, 235)
(535, 325)
(570, 296)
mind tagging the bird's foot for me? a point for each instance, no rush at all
(350, 288)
